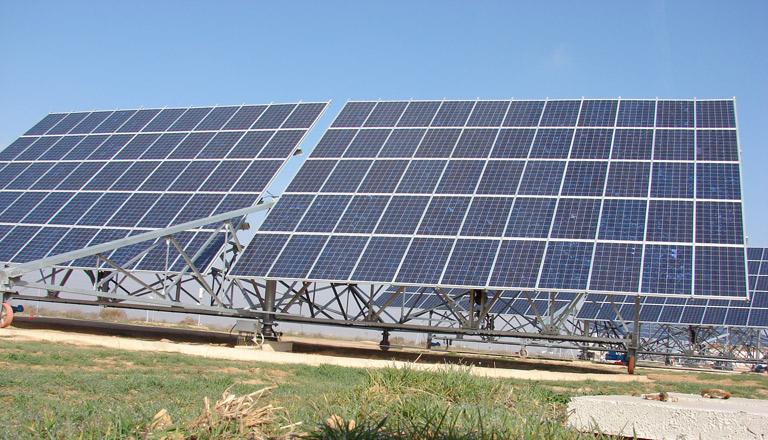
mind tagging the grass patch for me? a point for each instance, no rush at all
(67, 392)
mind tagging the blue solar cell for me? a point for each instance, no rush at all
(386, 114)
(650, 313)
(560, 114)
(552, 143)
(419, 114)
(333, 143)
(598, 113)
(542, 178)
(11, 171)
(566, 265)
(501, 177)
(628, 179)
(715, 114)
(45, 124)
(110, 147)
(304, 115)
(16, 147)
(258, 176)
(234, 202)
(513, 143)
(381, 259)
(692, 315)
(16, 239)
(672, 180)
(191, 146)
(667, 269)
(531, 218)
(163, 176)
(444, 215)
(636, 113)
(347, 176)
(674, 145)
(674, 114)
(523, 114)
(39, 246)
(133, 210)
(75, 209)
(163, 211)
(475, 143)
(86, 147)
(325, 212)
(22, 206)
(488, 114)
(68, 123)
(101, 210)
(584, 178)
(718, 181)
(162, 257)
(197, 172)
(80, 176)
(719, 222)
(245, 117)
(460, 177)
(720, 271)
(353, 114)
(755, 253)
(311, 176)
(425, 260)
(438, 143)
(453, 114)
(671, 314)
(367, 143)
(114, 121)
(737, 317)
(421, 177)
(199, 206)
(339, 258)
(29, 176)
(714, 316)
(164, 120)
(632, 144)
(163, 146)
(402, 143)
(108, 175)
(576, 219)
(137, 146)
(189, 119)
(249, 146)
(362, 215)
(75, 239)
(201, 250)
(138, 121)
(7, 198)
(45, 149)
(282, 145)
(134, 176)
(383, 176)
(403, 215)
(471, 262)
(616, 267)
(90, 122)
(216, 118)
(592, 144)
(487, 217)
(623, 220)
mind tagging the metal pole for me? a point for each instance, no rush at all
(269, 307)
(634, 340)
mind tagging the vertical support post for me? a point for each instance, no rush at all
(634, 342)
(270, 293)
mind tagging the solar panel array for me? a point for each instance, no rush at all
(632, 196)
(508, 303)
(715, 312)
(84, 178)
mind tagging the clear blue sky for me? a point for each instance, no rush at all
(73, 55)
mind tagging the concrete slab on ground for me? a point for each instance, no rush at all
(690, 417)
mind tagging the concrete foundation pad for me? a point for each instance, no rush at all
(275, 346)
(691, 417)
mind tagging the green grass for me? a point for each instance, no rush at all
(61, 391)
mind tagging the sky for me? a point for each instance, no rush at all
(96, 55)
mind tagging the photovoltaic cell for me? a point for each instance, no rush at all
(140, 170)
(640, 197)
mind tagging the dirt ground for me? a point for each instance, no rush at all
(265, 355)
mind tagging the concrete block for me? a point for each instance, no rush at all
(691, 417)
(274, 346)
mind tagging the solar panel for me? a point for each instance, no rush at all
(84, 178)
(697, 312)
(631, 196)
